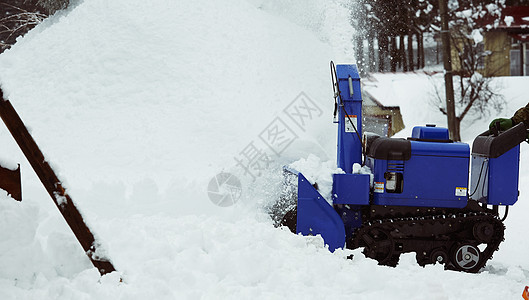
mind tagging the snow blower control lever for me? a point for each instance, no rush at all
(418, 197)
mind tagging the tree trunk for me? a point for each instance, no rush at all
(359, 42)
(382, 52)
(371, 52)
(393, 54)
(397, 53)
(419, 52)
(402, 54)
(410, 51)
(449, 84)
(409, 33)
(457, 130)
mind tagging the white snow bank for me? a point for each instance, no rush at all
(169, 92)
(194, 257)
(508, 20)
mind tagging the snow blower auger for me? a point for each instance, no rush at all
(419, 199)
(10, 181)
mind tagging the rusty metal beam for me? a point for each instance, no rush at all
(53, 185)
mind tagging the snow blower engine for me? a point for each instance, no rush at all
(417, 197)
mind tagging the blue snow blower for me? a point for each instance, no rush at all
(418, 197)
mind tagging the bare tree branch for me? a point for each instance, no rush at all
(476, 93)
(18, 21)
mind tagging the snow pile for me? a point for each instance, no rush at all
(508, 20)
(359, 169)
(318, 172)
(164, 90)
(477, 36)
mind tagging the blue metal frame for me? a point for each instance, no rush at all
(430, 133)
(350, 189)
(315, 215)
(436, 175)
(349, 145)
(503, 173)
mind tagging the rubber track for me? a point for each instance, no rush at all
(458, 228)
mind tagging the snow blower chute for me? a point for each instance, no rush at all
(417, 197)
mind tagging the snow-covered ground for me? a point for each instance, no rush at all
(139, 104)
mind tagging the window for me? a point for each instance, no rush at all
(516, 61)
(526, 61)
(481, 55)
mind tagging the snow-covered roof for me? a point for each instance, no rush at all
(514, 19)
(385, 88)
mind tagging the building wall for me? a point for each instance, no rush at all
(497, 45)
(497, 63)
(455, 44)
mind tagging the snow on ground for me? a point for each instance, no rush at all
(139, 104)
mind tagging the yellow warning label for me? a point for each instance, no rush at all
(379, 187)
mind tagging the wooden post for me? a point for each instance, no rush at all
(53, 185)
(10, 182)
(447, 62)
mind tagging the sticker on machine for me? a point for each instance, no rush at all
(461, 191)
(379, 187)
(348, 126)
